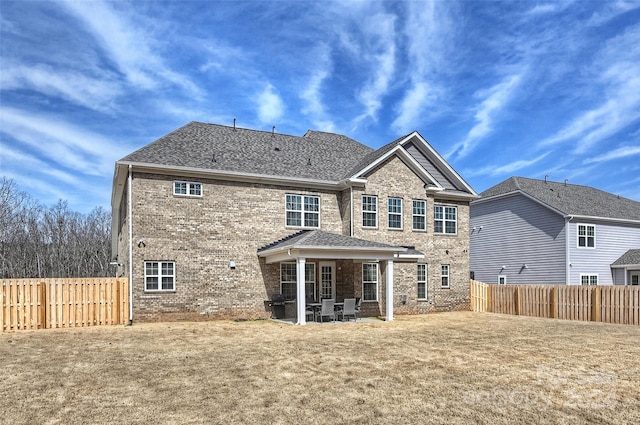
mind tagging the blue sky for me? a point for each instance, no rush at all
(498, 88)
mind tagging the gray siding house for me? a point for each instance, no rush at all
(528, 231)
(212, 221)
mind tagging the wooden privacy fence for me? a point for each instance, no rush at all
(609, 304)
(63, 303)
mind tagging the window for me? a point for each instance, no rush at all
(419, 213)
(588, 279)
(159, 276)
(444, 276)
(369, 211)
(369, 282)
(302, 211)
(445, 220)
(502, 279)
(422, 281)
(288, 280)
(586, 236)
(394, 206)
(187, 188)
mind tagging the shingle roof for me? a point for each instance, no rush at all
(631, 257)
(322, 239)
(316, 155)
(569, 199)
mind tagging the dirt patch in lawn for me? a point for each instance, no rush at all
(440, 368)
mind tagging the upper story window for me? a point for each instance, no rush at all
(159, 276)
(187, 188)
(394, 206)
(419, 215)
(303, 211)
(445, 220)
(586, 236)
(369, 211)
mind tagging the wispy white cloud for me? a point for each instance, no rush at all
(494, 100)
(541, 9)
(270, 105)
(312, 92)
(127, 42)
(507, 169)
(621, 152)
(78, 88)
(61, 143)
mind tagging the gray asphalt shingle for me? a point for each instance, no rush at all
(570, 199)
(631, 257)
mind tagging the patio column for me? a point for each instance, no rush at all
(301, 296)
(389, 291)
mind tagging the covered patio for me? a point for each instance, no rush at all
(310, 261)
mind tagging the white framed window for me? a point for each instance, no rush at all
(445, 220)
(588, 279)
(369, 281)
(419, 214)
(181, 188)
(159, 276)
(302, 211)
(369, 211)
(444, 276)
(422, 281)
(502, 279)
(586, 236)
(288, 280)
(394, 208)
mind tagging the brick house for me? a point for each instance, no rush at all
(210, 221)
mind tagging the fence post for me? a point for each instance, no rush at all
(553, 303)
(518, 300)
(2, 306)
(42, 305)
(595, 304)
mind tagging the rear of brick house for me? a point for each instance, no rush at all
(211, 221)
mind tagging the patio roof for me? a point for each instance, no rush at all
(629, 258)
(321, 244)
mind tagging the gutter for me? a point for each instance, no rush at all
(567, 231)
(129, 213)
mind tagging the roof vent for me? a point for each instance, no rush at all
(309, 161)
(545, 177)
(273, 131)
(234, 124)
(565, 181)
(213, 159)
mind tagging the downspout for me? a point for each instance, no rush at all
(567, 231)
(351, 204)
(129, 213)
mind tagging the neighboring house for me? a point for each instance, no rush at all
(529, 231)
(212, 221)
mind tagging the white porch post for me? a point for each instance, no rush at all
(301, 296)
(389, 291)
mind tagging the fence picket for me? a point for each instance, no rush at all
(62, 303)
(608, 304)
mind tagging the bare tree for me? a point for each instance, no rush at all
(36, 241)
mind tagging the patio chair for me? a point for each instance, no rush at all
(358, 302)
(349, 308)
(327, 309)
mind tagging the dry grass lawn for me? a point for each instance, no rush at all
(464, 368)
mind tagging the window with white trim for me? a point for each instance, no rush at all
(502, 279)
(419, 214)
(159, 276)
(369, 281)
(369, 211)
(302, 211)
(289, 279)
(588, 279)
(181, 188)
(422, 281)
(445, 220)
(394, 208)
(444, 276)
(586, 236)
